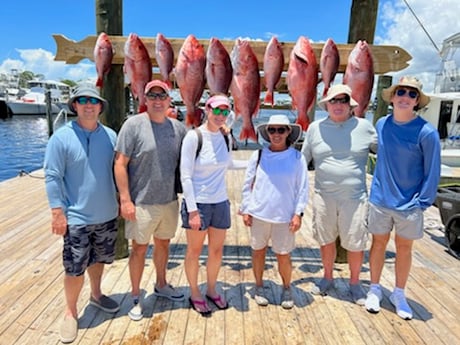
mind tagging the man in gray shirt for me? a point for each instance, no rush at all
(147, 154)
(339, 146)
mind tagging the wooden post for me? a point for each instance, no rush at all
(382, 107)
(109, 20)
(363, 19)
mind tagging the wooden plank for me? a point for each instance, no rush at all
(386, 58)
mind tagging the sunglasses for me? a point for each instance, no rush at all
(219, 111)
(279, 130)
(401, 92)
(154, 95)
(342, 100)
(85, 100)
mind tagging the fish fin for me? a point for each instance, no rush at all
(269, 98)
(168, 82)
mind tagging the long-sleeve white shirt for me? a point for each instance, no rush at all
(280, 188)
(203, 177)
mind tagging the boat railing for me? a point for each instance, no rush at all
(62, 115)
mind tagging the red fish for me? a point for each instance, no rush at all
(302, 79)
(103, 55)
(138, 68)
(329, 64)
(359, 76)
(190, 77)
(164, 55)
(218, 67)
(245, 86)
(273, 67)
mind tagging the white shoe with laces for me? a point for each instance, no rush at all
(372, 304)
(135, 313)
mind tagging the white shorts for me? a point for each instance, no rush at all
(159, 221)
(283, 240)
(346, 219)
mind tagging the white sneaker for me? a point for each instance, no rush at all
(403, 309)
(287, 302)
(259, 296)
(135, 313)
(372, 304)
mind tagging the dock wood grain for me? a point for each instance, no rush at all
(31, 288)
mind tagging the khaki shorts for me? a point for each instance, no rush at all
(283, 241)
(407, 224)
(346, 219)
(159, 221)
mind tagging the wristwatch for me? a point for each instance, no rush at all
(300, 214)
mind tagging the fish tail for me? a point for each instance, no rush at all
(142, 108)
(304, 122)
(248, 133)
(99, 82)
(269, 98)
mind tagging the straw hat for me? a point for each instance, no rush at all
(281, 120)
(87, 90)
(407, 81)
(335, 90)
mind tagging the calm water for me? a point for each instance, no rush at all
(23, 141)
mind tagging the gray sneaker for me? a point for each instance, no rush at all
(357, 294)
(287, 302)
(169, 292)
(105, 303)
(259, 296)
(135, 313)
(322, 287)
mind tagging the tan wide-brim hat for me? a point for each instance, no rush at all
(334, 91)
(281, 120)
(407, 81)
(87, 90)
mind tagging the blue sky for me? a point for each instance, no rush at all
(28, 26)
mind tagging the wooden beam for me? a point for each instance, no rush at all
(386, 58)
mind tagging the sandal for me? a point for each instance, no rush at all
(200, 306)
(218, 301)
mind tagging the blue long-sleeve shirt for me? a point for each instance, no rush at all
(408, 164)
(79, 174)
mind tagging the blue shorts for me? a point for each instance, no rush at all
(85, 245)
(214, 215)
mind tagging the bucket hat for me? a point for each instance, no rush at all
(280, 120)
(407, 81)
(334, 91)
(87, 90)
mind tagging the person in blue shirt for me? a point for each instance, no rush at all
(405, 183)
(82, 197)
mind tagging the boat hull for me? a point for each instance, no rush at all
(26, 108)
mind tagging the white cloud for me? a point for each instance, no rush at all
(438, 18)
(41, 61)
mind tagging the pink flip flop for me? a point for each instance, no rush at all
(200, 306)
(218, 301)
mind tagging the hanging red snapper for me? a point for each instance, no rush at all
(138, 68)
(103, 55)
(218, 67)
(245, 86)
(273, 67)
(329, 64)
(190, 77)
(302, 79)
(359, 76)
(164, 54)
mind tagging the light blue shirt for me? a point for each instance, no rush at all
(79, 174)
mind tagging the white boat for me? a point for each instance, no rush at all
(34, 101)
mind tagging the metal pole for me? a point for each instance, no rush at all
(49, 112)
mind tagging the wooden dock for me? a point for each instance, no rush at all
(31, 289)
